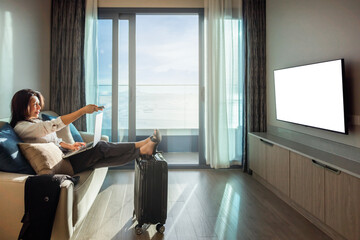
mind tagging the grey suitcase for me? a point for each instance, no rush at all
(150, 192)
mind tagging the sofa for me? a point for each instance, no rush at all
(74, 201)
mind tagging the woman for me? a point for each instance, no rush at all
(25, 109)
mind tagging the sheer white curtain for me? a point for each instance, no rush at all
(90, 55)
(223, 108)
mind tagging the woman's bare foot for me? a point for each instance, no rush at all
(148, 148)
(142, 143)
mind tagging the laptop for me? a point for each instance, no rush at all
(97, 137)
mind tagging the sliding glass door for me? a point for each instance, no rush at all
(157, 82)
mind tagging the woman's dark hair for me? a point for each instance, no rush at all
(19, 105)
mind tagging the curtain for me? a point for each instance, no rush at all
(254, 25)
(223, 83)
(90, 56)
(67, 82)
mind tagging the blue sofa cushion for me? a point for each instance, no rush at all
(74, 132)
(11, 159)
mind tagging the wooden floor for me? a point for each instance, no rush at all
(203, 204)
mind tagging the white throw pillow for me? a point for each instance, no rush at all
(46, 158)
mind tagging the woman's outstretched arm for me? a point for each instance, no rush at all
(71, 117)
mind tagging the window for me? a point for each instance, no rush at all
(158, 78)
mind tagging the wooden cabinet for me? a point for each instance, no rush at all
(327, 197)
(270, 162)
(307, 184)
(277, 168)
(257, 156)
(342, 201)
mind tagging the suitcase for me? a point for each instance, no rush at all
(150, 192)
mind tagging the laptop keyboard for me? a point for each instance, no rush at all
(87, 145)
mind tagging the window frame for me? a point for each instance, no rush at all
(120, 13)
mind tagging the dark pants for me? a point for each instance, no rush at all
(104, 154)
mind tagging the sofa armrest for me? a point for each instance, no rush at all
(12, 207)
(88, 137)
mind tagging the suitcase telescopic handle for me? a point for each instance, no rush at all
(140, 159)
(159, 157)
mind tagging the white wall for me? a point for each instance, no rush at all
(308, 31)
(24, 48)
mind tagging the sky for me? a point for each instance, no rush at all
(166, 50)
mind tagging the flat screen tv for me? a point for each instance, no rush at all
(312, 95)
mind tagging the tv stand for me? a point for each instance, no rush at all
(320, 185)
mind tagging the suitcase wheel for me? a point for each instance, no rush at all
(160, 228)
(138, 229)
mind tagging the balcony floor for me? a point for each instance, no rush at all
(181, 157)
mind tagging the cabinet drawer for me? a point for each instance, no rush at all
(277, 168)
(307, 184)
(342, 201)
(257, 155)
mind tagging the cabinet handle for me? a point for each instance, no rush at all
(331, 169)
(334, 170)
(317, 163)
(266, 142)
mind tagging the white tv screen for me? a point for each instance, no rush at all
(311, 95)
